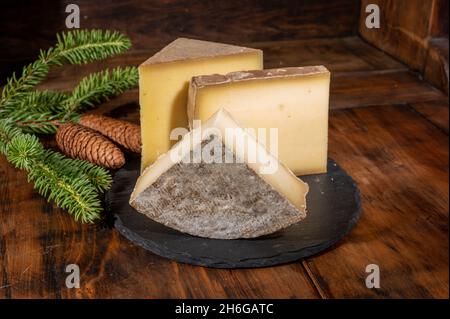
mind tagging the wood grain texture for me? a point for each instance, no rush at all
(337, 54)
(153, 24)
(437, 112)
(414, 31)
(436, 65)
(39, 240)
(398, 156)
(399, 160)
(404, 29)
(439, 19)
(347, 54)
(355, 66)
(378, 88)
(400, 163)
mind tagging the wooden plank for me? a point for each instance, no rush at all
(337, 54)
(400, 162)
(434, 111)
(348, 54)
(153, 24)
(439, 19)
(37, 242)
(404, 29)
(436, 64)
(355, 65)
(356, 89)
(348, 90)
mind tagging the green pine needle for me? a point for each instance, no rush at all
(74, 47)
(35, 111)
(24, 150)
(98, 176)
(77, 195)
(83, 46)
(36, 101)
(32, 75)
(100, 87)
(7, 132)
(72, 184)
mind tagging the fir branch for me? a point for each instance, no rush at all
(35, 101)
(32, 75)
(74, 47)
(83, 46)
(35, 111)
(98, 176)
(72, 184)
(8, 131)
(24, 150)
(35, 122)
(100, 87)
(77, 195)
(55, 176)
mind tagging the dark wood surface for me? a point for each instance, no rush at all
(29, 25)
(334, 207)
(415, 32)
(386, 130)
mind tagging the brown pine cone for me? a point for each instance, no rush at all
(80, 142)
(122, 132)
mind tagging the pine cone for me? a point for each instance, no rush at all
(122, 132)
(77, 141)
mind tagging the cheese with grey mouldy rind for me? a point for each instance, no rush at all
(208, 185)
(293, 100)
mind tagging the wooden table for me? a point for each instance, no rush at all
(388, 130)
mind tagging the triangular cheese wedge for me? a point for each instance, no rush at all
(164, 82)
(183, 49)
(210, 184)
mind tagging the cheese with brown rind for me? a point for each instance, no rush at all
(295, 101)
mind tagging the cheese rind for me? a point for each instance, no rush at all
(164, 81)
(293, 100)
(220, 200)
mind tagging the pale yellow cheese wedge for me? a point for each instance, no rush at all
(293, 100)
(164, 81)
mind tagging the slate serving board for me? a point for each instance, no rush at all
(333, 209)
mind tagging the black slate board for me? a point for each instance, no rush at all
(333, 208)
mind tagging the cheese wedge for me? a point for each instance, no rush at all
(293, 100)
(164, 81)
(224, 192)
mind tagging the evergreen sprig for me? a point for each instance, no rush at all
(32, 75)
(99, 87)
(72, 184)
(35, 111)
(98, 176)
(84, 46)
(74, 47)
(7, 131)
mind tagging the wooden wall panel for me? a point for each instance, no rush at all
(28, 26)
(439, 19)
(404, 29)
(415, 32)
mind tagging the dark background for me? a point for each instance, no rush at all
(408, 26)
